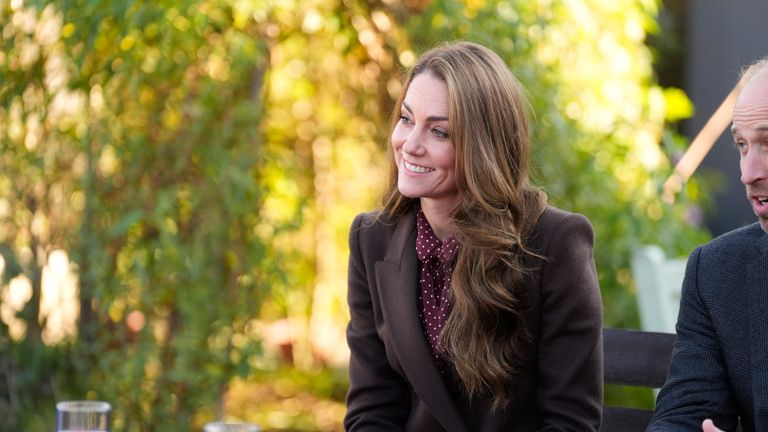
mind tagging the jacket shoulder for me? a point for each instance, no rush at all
(372, 223)
(735, 238)
(555, 222)
(555, 216)
(370, 232)
(734, 244)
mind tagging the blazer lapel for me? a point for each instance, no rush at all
(758, 319)
(397, 277)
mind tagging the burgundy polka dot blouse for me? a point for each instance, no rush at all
(436, 259)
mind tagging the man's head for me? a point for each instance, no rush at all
(750, 135)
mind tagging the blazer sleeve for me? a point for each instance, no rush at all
(697, 385)
(378, 398)
(570, 345)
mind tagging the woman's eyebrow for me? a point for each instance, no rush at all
(430, 118)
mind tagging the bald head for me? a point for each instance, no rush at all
(756, 87)
(757, 69)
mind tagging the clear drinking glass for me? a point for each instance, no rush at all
(80, 416)
(230, 427)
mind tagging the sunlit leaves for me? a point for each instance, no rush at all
(149, 113)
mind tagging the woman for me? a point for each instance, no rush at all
(474, 305)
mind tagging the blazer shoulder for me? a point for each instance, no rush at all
(733, 243)
(373, 229)
(553, 216)
(372, 223)
(364, 219)
(555, 222)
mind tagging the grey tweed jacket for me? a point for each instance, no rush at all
(720, 361)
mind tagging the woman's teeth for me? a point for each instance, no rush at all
(417, 169)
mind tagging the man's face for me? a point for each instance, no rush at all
(750, 135)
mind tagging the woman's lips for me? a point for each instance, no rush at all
(416, 169)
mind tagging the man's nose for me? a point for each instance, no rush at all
(754, 165)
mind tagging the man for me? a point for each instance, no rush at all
(719, 371)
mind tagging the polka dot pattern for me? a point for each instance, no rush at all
(437, 259)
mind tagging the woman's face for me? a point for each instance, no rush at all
(424, 153)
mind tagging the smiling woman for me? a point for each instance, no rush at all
(424, 153)
(466, 291)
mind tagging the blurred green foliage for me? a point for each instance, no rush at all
(132, 142)
(200, 162)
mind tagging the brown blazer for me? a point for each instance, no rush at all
(394, 383)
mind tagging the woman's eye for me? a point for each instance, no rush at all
(404, 119)
(440, 133)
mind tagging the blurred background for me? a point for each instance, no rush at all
(177, 179)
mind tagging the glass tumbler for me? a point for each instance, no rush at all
(80, 416)
(230, 427)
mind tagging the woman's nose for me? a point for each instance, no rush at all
(412, 143)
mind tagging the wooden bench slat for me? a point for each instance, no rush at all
(637, 358)
(621, 419)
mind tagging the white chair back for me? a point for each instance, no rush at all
(659, 281)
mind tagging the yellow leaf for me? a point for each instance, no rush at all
(678, 105)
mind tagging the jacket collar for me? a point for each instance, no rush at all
(397, 277)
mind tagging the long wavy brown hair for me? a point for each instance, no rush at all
(484, 338)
